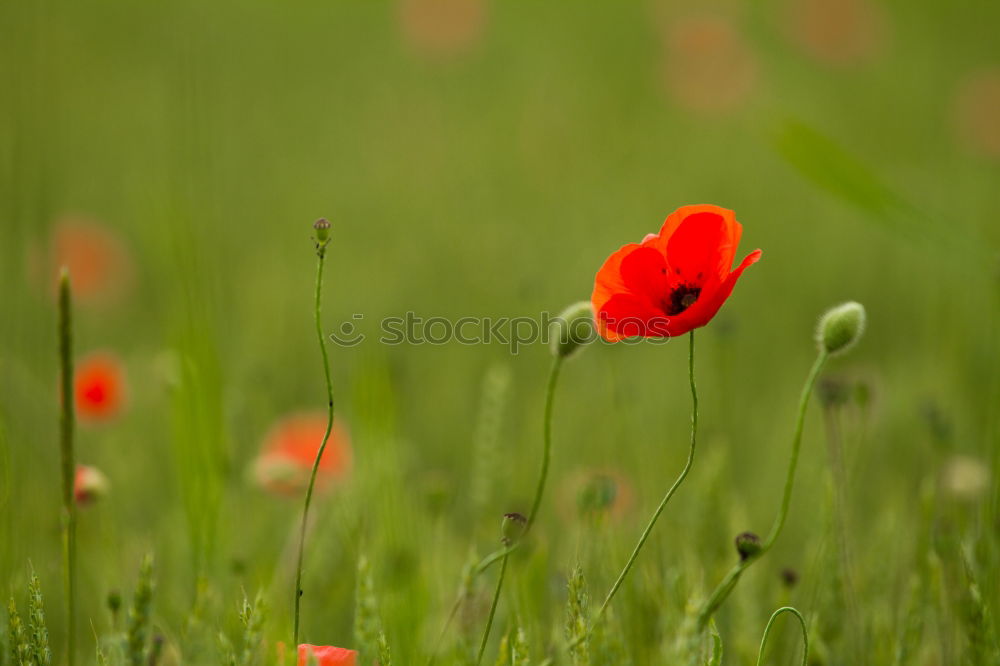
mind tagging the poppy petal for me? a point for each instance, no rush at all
(675, 219)
(608, 281)
(644, 272)
(629, 315)
(701, 247)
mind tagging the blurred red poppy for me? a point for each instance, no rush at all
(674, 281)
(596, 495)
(98, 261)
(838, 32)
(289, 449)
(99, 387)
(326, 655)
(976, 112)
(443, 28)
(89, 484)
(709, 65)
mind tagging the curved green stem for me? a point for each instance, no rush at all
(729, 582)
(493, 610)
(322, 446)
(670, 492)
(547, 440)
(767, 631)
(66, 427)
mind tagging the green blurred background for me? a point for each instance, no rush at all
(483, 160)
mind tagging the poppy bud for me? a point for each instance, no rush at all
(840, 327)
(512, 528)
(322, 227)
(747, 545)
(571, 329)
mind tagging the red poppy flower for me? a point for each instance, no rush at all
(99, 387)
(596, 494)
(98, 261)
(290, 448)
(326, 655)
(443, 28)
(674, 281)
(709, 65)
(89, 484)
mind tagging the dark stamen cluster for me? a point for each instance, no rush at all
(680, 299)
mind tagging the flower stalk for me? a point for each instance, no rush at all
(67, 423)
(670, 492)
(322, 238)
(543, 474)
(767, 632)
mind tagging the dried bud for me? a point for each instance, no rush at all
(747, 545)
(512, 528)
(789, 577)
(571, 329)
(840, 327)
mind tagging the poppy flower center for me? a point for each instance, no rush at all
(680, 299)
(95, 393)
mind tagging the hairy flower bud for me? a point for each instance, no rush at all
(840, 327)
(571, 329)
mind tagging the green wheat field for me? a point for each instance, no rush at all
(479, 161)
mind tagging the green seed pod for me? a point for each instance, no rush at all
(747, 545)
(512, 528)
(841, 327)
(572, 329)
(322, 228)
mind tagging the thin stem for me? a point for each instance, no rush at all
(671, 491)
(66, 428)
(767, 631)
(493, 610)
(793, 462)
(547, 440)
(729, 582)
(322, 446)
